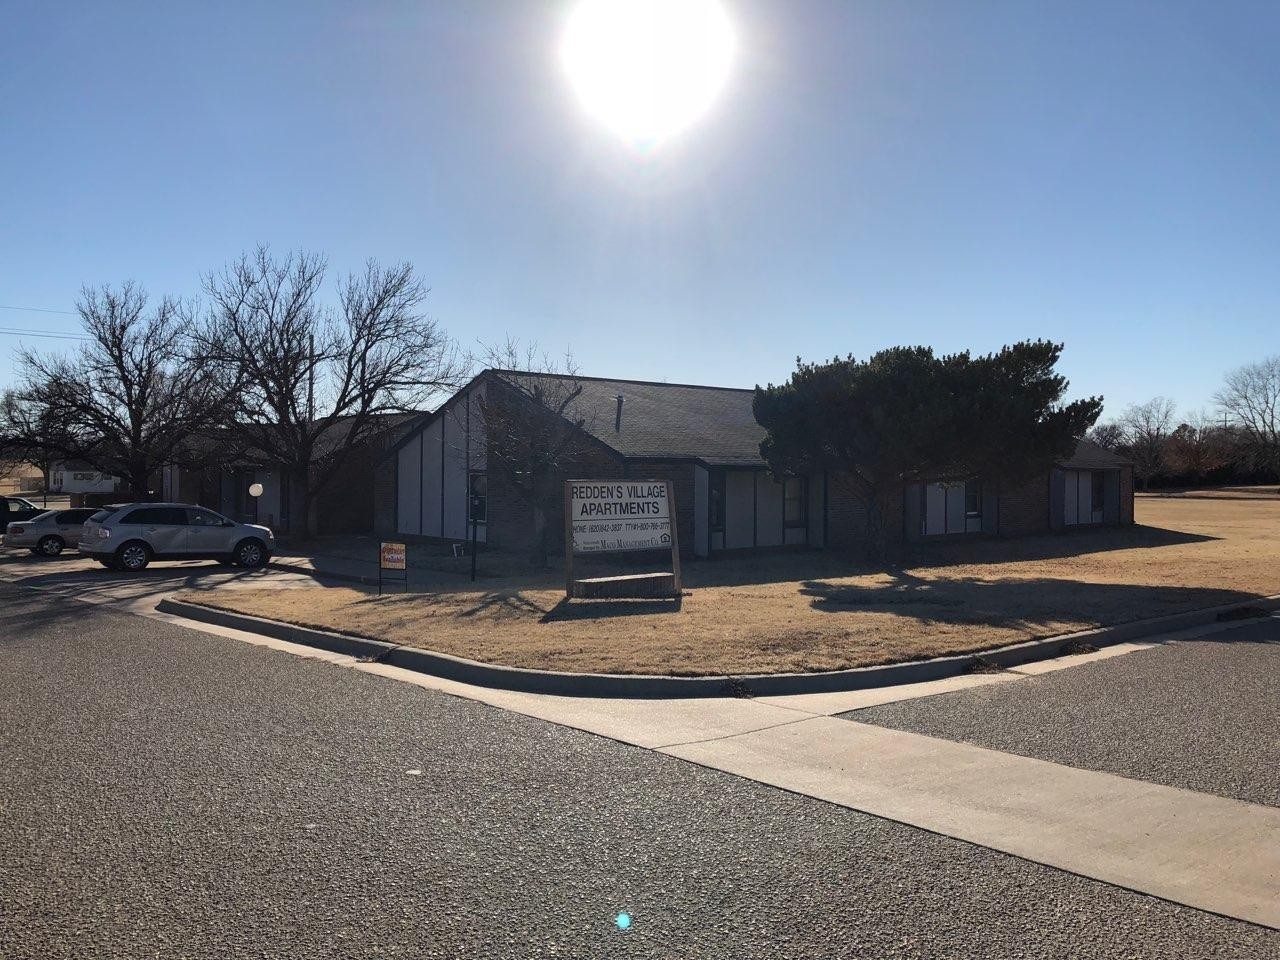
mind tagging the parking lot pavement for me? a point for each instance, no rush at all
(169, 793)
(1198, 714)
(85, 579)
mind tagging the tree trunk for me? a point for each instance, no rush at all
(875, 530)
(138, 480)
(306, 520)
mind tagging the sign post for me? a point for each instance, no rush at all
(620, 516)
(392, 556)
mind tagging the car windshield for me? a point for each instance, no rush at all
(101, 515)
(42, 515)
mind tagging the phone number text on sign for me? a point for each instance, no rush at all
(618, 516)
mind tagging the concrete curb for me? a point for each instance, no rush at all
(642, 686)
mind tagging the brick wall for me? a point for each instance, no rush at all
(681, 477)
(510, 520)
(510, 527)
(384, 495)
(1024, 508)
(847, 515)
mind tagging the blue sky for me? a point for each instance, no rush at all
(956, 174)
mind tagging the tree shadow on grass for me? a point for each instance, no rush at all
(807, 564)
(1022, 604)
(568, 610)
(495, 604)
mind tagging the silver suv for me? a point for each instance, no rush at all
(130, 536)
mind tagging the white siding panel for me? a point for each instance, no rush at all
(431, 481)
(1070, 497)
(455, 472)
(935, 514)
(955, 508)
(701, 507)
(769, 505)
(408, 484)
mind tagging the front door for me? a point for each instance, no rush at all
(164, 528)
(207, 532)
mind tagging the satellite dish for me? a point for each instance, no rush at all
(255, 489)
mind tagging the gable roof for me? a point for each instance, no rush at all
(714, 426)
(1092, 456)
(667, 421)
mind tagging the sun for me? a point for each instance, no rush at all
(647, 69)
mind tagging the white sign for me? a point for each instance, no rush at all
(619, 515)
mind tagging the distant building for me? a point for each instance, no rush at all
(707, 442)
(344, 505)
(74, 478)
(19, 477)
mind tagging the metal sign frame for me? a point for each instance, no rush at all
(383, 567)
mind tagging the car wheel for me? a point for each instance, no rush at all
(133, 556)
(251, 553)
(50, 546)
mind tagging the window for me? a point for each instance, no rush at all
(1099, 489)
(79, 515)
(973, 498)
(158, 516)
(794, 502)
(204, 518)
(478, 498)
(715, 504)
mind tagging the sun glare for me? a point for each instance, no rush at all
(647, 68)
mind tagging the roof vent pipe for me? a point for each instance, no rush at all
(617, 417)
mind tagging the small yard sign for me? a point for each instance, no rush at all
(620, 516)
(392, 556)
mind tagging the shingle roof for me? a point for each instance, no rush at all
(714, 425)
(671, 420)
(1091, 456)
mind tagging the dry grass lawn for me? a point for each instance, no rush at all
(814, 611)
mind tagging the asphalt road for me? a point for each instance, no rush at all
(167, 793)
(1202, 715)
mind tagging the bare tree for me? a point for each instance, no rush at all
(1198, 447)
(1250, 400)
(1109, 435)
(1146, 428)
(124, 403)
(534, 425)
(315, 380)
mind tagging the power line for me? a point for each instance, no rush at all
(69, 313)
(21, 332)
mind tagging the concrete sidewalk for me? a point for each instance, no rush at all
(1205, 851)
